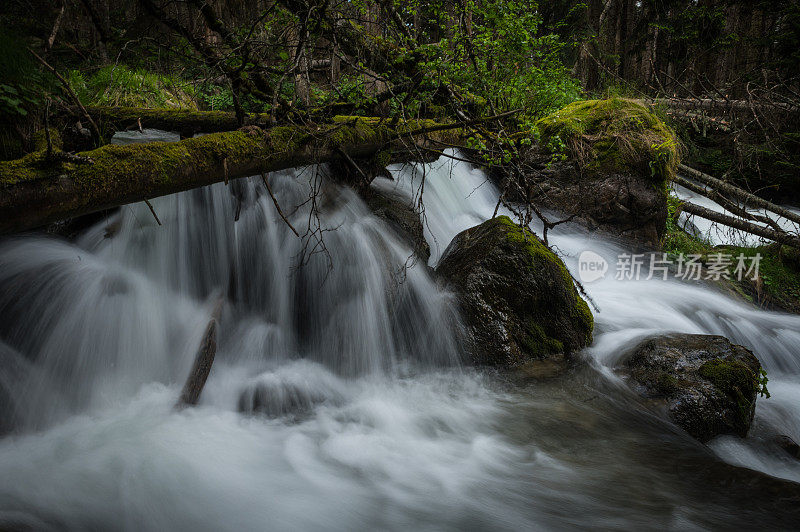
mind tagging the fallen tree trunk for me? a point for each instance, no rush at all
(738, 193)
(720, 106)
(38, 189)
(742, 225)
(726, 203)
(185, 122)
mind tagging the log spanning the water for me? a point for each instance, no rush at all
(727, 204)
(38, 189)
(743, 225)
(738, 193)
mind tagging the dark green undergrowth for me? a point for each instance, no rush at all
(117, 85)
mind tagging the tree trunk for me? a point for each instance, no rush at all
(37, 190)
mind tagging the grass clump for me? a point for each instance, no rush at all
(118, 86)
(615, 135)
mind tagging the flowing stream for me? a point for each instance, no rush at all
(348, 350)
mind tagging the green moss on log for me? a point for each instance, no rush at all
(40, 140)
(187, 122)
(37, 190)
(613, 136)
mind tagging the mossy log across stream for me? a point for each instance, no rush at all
(39, 189)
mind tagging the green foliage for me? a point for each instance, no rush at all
(216, 97)
(117, 85)
(23, 92)
(761, 383)
(21, 83)
(676, 240)
(502, 59)
(348, 89)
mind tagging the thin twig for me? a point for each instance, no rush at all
(277, 206)
(152, 210)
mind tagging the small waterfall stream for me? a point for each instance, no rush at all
(368, 419)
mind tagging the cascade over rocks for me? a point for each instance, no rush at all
(401, 216)
(516, 296)
(707, 384)
(608, 162)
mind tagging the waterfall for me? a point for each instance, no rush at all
(347, 351)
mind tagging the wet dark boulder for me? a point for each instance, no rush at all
(788, 445)
(516, 297)
(399, 213)
(292, 392)
(707, 384)
(624, 205)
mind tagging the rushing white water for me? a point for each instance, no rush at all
(367, 419)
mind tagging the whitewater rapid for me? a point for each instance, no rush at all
(396, 434)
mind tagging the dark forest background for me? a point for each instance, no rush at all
(726, 73)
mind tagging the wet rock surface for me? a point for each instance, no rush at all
(292, 392)
(401, 216)
(707, 384)
(628, 205)
(516, 296)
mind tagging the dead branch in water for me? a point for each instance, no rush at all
(193, 387)
(202, 367)
(742, 225)
(738, 193)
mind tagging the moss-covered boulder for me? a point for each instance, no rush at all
(707, 384)
(517, 298)
(608, 162)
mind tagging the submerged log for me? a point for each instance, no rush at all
(202, 367)
(37, 189)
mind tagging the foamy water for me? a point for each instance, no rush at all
(391, 431)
